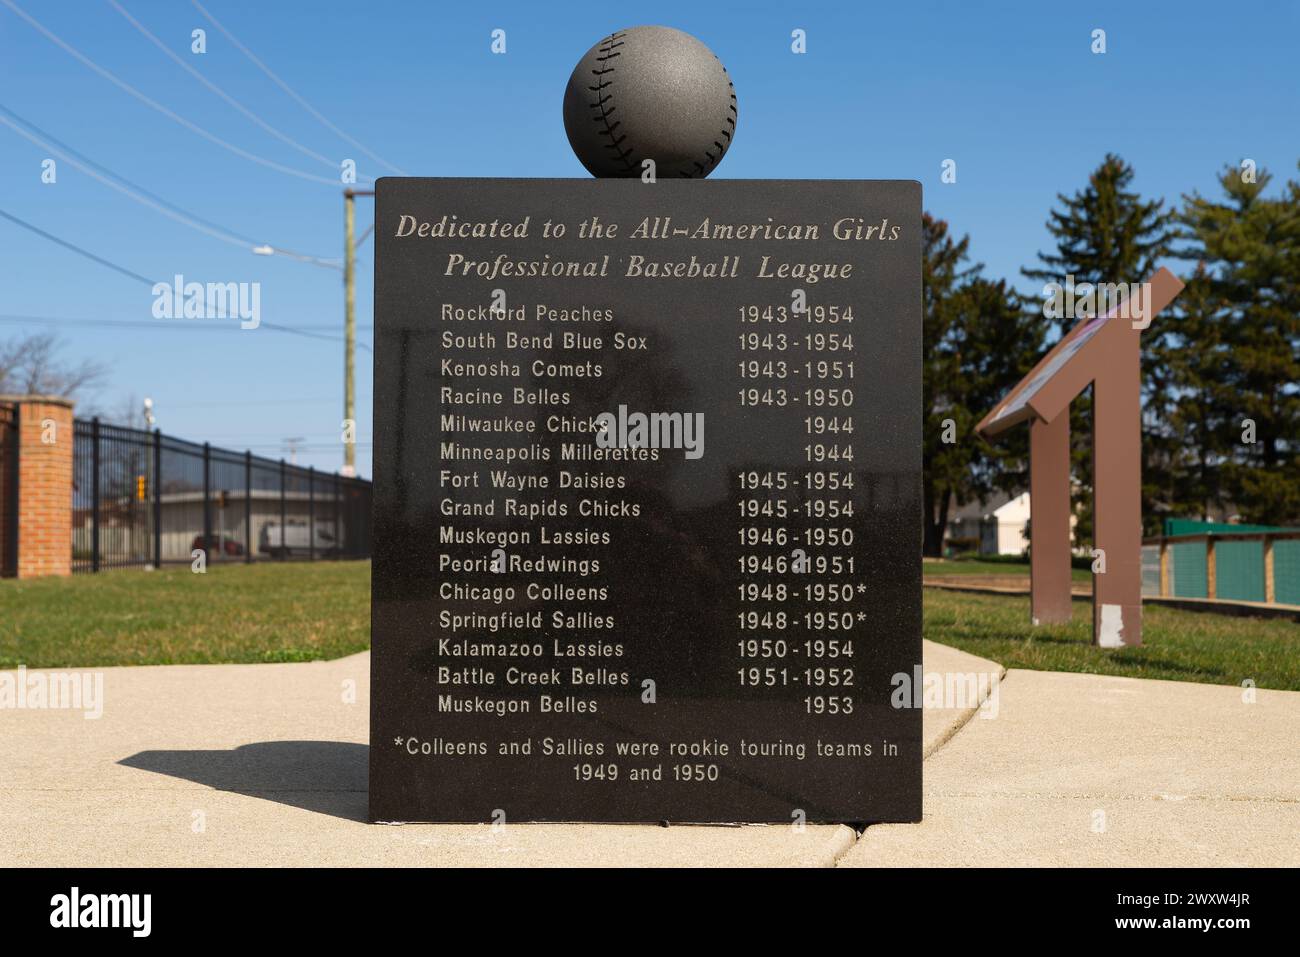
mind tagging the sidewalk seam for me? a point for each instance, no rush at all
(952, 732)
(1063, 796)
(845, 845)
(927, 754)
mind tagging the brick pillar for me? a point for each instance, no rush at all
(45, 440)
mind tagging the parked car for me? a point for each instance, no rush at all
(215, 543)
(296, 539)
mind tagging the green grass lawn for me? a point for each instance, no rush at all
(298, 612)
(262, 612)
(1176, 645)
(945, 568)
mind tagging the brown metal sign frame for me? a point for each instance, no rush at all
(1104, 352)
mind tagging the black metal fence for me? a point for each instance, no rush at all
(8, 490)
(147, 499)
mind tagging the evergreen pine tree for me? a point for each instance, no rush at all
(1197, 413)
(1107, 233)
(1250, 245)
(978, 342)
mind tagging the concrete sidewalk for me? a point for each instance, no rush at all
(1086, 770)
(266, 765)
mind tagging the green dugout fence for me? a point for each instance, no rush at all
(1254, 563)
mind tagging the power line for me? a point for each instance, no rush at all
(334, 325)
(311, 447)
(332, 164)
(109, 323)
(156, 325)
(155, 105)
(292, 330)
(302, 400)
(167, 209)
(272, 434)
(287, 89)
(76, 249)
(118, 176)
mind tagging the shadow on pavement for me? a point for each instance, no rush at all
(328, 777)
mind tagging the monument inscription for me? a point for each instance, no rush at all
(647, 501)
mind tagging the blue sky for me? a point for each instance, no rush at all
(1011, 91)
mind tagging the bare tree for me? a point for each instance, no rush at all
(129, 411)
(34, 365)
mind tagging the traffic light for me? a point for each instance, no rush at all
(141, 488)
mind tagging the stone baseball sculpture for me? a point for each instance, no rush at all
(650, 93)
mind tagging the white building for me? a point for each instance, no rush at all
(994, 527)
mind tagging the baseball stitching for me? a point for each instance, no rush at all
(606, 53)
(608, 50)
(731, 121)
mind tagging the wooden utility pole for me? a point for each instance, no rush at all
(350, 329)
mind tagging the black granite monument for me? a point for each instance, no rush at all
(647, 501)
